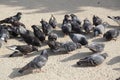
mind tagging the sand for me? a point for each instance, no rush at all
(61, 66)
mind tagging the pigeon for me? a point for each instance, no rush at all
(78, 38)
(38, 33)
(97, 20)
(115, 18)
(4, 34)
(87, 26)
(28, 38)
(92, 60)
(53, 21)
(37, 63)
(11, 19)
(96, 47)
(76, 26)
(52, 36)
(71, 46)
(66, 28)
(46, 27)
(66, 19)
(22, 49)
(111, 34)
(99, 29)
(63, 47)
(75, 18)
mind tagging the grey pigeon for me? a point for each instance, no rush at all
(37, 63)
(87, 26)
(28, 37)
(53, 21)
(92, 60)
(66, 28)
(111, 34)
(97, 20)
(46, 27)
(11, 19)
(99, 29)
(21, 49)
(115, 18)
(96, 47)
(52, 36)
(71, 46)
(65, 47)
(78, 38)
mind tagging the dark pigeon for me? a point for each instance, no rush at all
(97, 20)
(52, 37)
(53, 21)
(92, 60)
(76, 26)
(87, 26)
(38, 33)
(16, 17)
(96, 47)
(21, 49)
(79, 38)
(66, 28)
(46, 27)
(99, 29)
(28, 38)
(37, 63)
(75, 18)
(115, 18)
(66, 19)
(111, 34)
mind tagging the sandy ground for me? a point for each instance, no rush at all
(61, 67)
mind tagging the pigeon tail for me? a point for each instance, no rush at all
(109, 17)
(24, 68)
(12, 47)
(13, 54)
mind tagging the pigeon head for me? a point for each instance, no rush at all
(72, 15)
(83, 41)
(86, 20)
(34, 27)
(66, 16)
(19, 14)
(78, 63)
(42, 21)
(96, 33)
(105, 55)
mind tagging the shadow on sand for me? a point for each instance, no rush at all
(68, 6)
